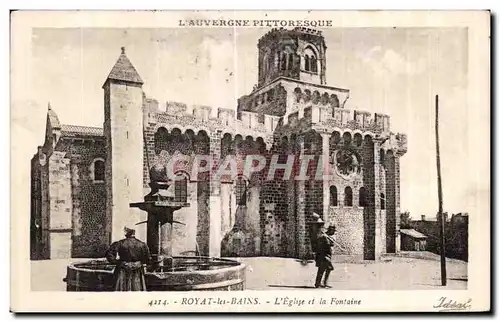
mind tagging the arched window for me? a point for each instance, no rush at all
(241, 192)
(98, 171)
(180, 187)
(311, 61)
(358, 139)
(290, 61)
(334, 100)
(348, 197)
(382, 201)
(283, 61)
(362, 197)
(298, 94)
(333, 196)
(382, 156)
(314, 64)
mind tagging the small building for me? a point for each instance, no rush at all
(413, 240)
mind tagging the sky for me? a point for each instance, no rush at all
(396, 71)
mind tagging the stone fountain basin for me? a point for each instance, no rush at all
(188, 274)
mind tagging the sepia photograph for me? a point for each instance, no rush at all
(251, 161)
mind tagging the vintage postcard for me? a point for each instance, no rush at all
(233, 161)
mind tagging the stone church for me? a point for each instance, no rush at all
(84, 178)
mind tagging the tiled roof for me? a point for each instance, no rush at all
(413, 233)
(124, 70)
(72, 130)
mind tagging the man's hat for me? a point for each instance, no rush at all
(316, 219)
(128, 231)
(331, 229)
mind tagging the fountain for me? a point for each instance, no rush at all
(167, 273)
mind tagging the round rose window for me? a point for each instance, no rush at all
(347, 162)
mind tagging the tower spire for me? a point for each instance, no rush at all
(124, 71)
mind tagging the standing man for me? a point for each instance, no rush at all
(325, 242)
(323, 257)
(129, 255)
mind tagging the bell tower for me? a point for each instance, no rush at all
(123, 130)
(299, 54)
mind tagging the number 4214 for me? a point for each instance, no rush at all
(158, 302)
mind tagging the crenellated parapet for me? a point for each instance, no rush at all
(327, 119)
(176, 108)
(396, 142)
(310, 31)
(270, 99)
(286, 96)
(202, 112)
(401, 143)
(275, 34)
(199, 118)
(226, 115)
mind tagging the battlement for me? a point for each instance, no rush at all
(326, 118)
(226, 115)
(202, 112)
(276, 33)
(397, 142)
(271, 35)
(402, 143)
(200, 116)
(308, 31)
(176, 108)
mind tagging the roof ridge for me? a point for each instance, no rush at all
(70, 129)
(75, 125)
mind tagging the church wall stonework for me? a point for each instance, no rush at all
(89, 200)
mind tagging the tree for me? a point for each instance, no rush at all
(405, 220)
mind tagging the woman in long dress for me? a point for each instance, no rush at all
(129, 255)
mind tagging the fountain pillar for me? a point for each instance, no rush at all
(153, 235)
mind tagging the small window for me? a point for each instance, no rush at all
(382, 201)
(382, 156)
(180, 187)
(362, 197)
(310, 60)
(334, 100)
(241, 192)
(348, 197)
(333, 196)
(290, 61)
(98, 170)
(283, 61)
(314, 65)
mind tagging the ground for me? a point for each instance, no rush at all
(408, 271)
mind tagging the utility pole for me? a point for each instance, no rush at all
(441, 218)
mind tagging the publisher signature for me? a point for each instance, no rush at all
(448, 305)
